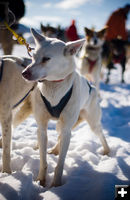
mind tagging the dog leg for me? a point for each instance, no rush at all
(97, 129)
(80, 119)
(97, 85)
(110, 66)
(64, 144)
(93, 117)
(0, 142)
(108, 75)
(42, 142)
(6, 142)
(123, 69)
(55, 149)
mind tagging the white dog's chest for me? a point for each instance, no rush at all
(56, 110)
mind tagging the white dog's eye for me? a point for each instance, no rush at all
(45, 59)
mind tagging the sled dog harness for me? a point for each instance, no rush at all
(90, 86)
(19, 102)
(55, 111)
(1, 74)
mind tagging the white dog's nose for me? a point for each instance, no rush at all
(27, 74)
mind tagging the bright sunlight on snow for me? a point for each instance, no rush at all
(88, 175)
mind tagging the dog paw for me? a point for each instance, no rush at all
(122, 81)
(36, 147)
(42, 182)
(56, 184)
(8, 171)
(53, 151)
(106, 152)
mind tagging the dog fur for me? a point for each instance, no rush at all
(53, 32)
(12, 89)
(90, 56)
(53, 67)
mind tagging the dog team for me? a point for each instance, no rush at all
(50, 87)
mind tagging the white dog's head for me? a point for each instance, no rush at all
(52, 59)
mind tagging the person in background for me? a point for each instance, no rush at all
(117, 24)
(116, 39)
(71, 32)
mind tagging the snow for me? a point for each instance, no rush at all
(87, 173)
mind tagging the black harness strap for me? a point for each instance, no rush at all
(55, 111)
(24, 97)
(1, 74)
(90, 87)
(1, 68)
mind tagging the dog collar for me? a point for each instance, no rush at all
(58, 80)
(26, 95)
(55, 81)
(55, 111)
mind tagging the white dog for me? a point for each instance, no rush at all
(91, 60)
(63, 95)
(13, 90)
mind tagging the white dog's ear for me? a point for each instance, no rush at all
(72, 47)
(37, 36)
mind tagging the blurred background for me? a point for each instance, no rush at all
(90, 13)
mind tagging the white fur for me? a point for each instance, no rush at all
(61, 65)
(12, 89)
(94, 55)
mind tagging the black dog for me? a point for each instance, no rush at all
(16, 7)
(115, 52)
(11, 11)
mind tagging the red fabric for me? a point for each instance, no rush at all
(71, 32)
(91, 64)
(116, 25)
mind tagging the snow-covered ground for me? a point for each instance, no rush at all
(88, 175)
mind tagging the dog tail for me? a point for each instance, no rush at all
(24, 111)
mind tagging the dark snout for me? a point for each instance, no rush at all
(95, 41)
(27, 74)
